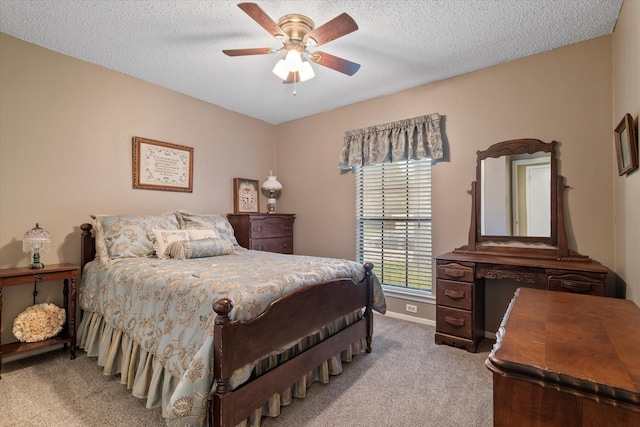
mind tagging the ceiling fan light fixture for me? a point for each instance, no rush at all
(298, 33)
(281, 69)
(306, 72)
(293, 60)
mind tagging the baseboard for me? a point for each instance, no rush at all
(411, 318)
(429, 322)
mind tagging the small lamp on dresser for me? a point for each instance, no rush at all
(37, 239)
(271, 189)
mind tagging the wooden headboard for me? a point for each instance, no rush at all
(87, 245)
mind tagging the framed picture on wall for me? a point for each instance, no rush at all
(246, 195)
(159, 165)
(626, 145)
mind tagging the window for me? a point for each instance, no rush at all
(393, 222)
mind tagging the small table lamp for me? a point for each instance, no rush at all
(35, 240)
(271, 189)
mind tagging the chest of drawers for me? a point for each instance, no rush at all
(264, 232)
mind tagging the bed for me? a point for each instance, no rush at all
(214, 333)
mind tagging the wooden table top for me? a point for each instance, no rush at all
(523, 261)
(25, 271)
(582, 343)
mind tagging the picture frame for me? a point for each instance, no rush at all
(626, 145)
(246, 195)
(162, 166)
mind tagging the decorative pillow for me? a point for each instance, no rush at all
(39, 322)
(164, 237)
(189, 249)
(191, 221)
(129, 236)
(203, 234)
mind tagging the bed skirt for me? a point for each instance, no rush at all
(147, 379)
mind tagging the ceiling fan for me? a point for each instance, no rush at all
(298, 34)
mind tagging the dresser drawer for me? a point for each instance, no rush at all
(453, 321)
(455, 271)
(454, 294)
(271, 227)
(576, 283)
(282, 245)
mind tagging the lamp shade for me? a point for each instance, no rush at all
(293, 60)
(281, 70)
(37, 239)
(293, 63)
(306, 72)
(271, 189)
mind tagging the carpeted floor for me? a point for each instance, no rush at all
(406, 381)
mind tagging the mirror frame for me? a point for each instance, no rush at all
(508, 148)
(557, 242)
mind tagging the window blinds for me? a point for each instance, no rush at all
(393, 213)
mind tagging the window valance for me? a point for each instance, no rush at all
(414, 138)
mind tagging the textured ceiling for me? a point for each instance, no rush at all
(400, 44)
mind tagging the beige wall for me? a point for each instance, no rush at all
(563, 95)
(75, 121)
(626, 99)
(65, 152)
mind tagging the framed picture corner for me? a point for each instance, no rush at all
(626, 144)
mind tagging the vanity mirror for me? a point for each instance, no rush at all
(516, 182)
(517, 197)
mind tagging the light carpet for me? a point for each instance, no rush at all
(406, 381)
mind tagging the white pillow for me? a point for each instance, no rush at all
(165, 237)
(203, 234)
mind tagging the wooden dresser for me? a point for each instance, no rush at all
(515, 233)
(264, 232)
(562, 359)
(460, 283)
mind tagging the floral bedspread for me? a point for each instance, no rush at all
(165, 306)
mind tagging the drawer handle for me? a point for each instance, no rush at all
(454, 294)
(455, 321)
(285, 245)
(453, 272)
(573, 286)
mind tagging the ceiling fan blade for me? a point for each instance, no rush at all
(337, 27)
(264, 20)
(242, 52)
(347, 67)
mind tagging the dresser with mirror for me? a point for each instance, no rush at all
(517, 232)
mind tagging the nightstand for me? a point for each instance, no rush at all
(264, 232)
(21, 276)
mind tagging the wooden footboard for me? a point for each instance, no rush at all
(291, 317)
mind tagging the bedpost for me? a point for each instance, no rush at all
(221, 409)
(368, 314)
(87, 245)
